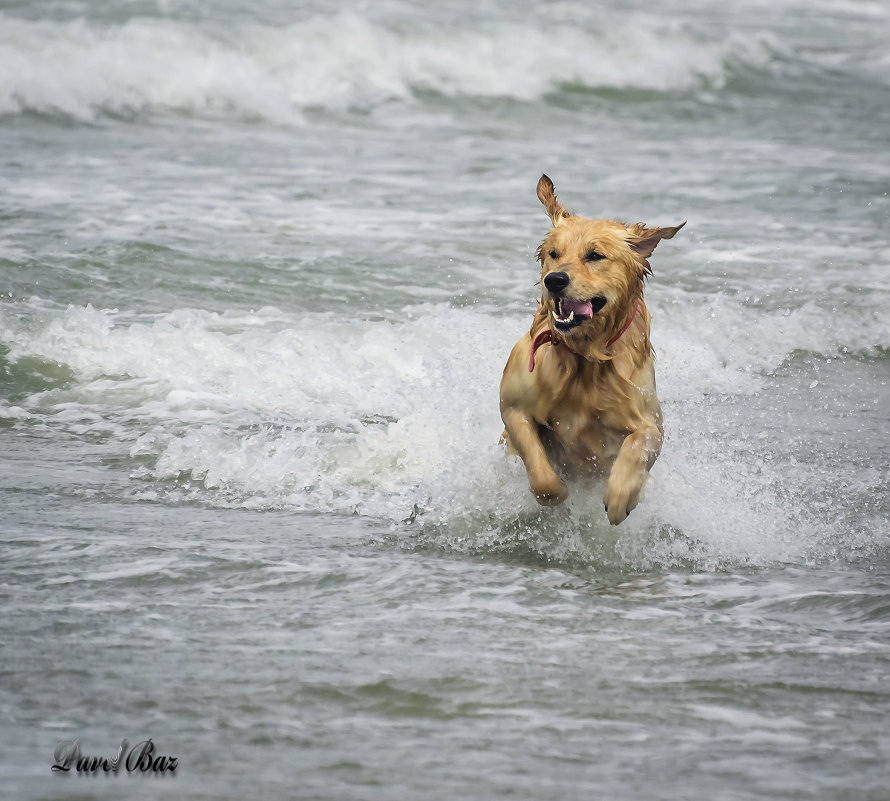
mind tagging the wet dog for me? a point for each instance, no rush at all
(578, 391)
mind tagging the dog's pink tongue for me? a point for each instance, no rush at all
(581, 308)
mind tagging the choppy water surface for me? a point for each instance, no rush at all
(261, 268)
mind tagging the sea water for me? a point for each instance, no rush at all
(261, 265)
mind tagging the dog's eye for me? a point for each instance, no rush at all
(553, 255)
(594, 256)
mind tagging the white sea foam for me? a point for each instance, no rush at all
(398, 420)
(714, 344)
(83, 69)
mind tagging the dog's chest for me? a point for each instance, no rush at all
(586, 443)
(577, 403)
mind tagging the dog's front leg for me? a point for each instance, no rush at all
(630, 471)
(522, 433)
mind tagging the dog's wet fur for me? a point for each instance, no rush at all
(589, 405)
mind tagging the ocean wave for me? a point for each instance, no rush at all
(84, 70)
(398, 422)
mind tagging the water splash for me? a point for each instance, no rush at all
(398, 422)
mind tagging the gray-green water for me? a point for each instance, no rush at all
(261, 267)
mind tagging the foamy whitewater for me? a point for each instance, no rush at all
(261, 270)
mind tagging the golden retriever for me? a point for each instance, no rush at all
(578, 391)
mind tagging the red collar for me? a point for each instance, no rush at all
(547, 336)
(617, 336)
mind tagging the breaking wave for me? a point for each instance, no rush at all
(85, 69)
(398, 422)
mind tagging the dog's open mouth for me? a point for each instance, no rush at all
(570, 313)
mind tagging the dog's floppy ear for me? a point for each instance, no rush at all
(547, 196)
(642, 240)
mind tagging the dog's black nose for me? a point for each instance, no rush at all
(556, 282)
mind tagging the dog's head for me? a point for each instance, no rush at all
(592, 271)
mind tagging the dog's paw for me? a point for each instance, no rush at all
(622, 496)
(552, 493)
